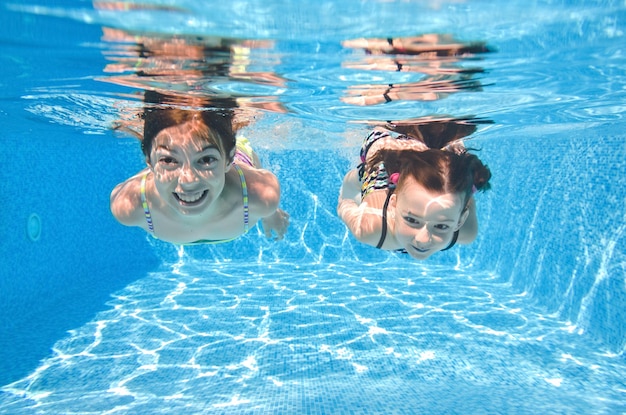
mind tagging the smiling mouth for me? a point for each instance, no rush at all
(191, 199)
(419, 249)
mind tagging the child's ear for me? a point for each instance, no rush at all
(231, 159)
(464, 216)
(392, 201)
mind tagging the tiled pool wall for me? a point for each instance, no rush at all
(553, 226)
(61, 280)
(556, 226)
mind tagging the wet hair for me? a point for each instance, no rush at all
(436, 134)
(213, 122)
(442, 171)
(438, 170)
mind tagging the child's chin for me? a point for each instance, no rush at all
(418, 254)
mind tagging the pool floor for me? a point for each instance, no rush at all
(321, 339)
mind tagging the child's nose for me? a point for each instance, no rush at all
(188, 175)
(422, 235)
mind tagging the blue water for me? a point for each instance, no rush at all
(97, 318)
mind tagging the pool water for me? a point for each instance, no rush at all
(285, 338)
(97, 318)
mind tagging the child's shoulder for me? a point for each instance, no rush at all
(263, 188)
(258, 176)
(125, 201)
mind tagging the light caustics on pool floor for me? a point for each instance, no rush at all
(285, 338)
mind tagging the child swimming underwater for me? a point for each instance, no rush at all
(201, 184)
(408, 197)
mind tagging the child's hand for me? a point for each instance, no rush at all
(277, 222)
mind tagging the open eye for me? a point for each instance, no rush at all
(207, 160)
(167, 160)
(411, 220)
(442, 227)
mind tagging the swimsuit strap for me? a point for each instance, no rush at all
(144, 203)
(244, 189)
(453, 241)
(383, 232)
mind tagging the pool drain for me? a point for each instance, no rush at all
(33, 227)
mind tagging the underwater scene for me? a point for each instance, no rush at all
(282, 207)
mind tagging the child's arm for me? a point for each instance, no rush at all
(469, 230)
(351, 187)
(264, 191)
(363, 221)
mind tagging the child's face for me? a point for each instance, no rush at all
(189, 171)
(425, 221)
